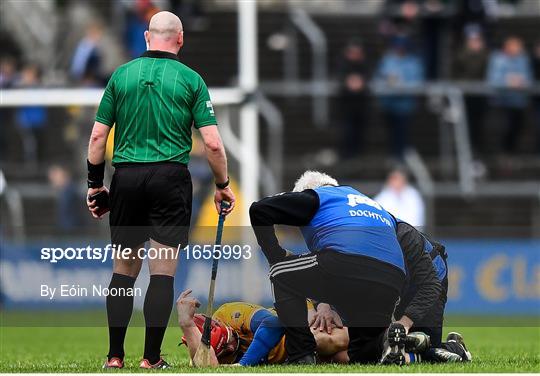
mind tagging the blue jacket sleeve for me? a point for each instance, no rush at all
(495, 71)
(268, 332)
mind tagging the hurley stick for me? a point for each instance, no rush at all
(202, 355)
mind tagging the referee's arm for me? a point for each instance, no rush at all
(217, 159)
(98, 143)
(204, 120)
(105, 120)
(293, 209)
(96, 163)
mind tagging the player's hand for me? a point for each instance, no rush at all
(92, 204)
(186, 306)
(406, 322)
(225, 194)
(325, 319)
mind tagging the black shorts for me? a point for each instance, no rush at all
(150, 201)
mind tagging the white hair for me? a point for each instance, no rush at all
(312, 180)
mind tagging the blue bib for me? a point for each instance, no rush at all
(352, 223)
(438, 262)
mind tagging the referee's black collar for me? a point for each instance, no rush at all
(160, 55)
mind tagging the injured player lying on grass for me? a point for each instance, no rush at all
(248, 334)
(245, 334)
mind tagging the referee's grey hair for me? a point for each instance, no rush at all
(312, 180)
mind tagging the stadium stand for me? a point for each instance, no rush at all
(509, 208)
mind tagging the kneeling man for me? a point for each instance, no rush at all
(355, 264)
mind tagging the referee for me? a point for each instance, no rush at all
(152, 101)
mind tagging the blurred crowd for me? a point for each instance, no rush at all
(414, 33)
(417, 36)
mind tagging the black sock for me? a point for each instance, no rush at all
(119, 309)
(158, 304)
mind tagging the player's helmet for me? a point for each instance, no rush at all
(223, 339)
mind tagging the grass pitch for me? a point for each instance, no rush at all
(70, 349)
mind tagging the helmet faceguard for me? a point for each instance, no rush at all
(223, 339)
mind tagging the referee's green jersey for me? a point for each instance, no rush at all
(153, 101)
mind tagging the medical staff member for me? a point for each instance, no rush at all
(355, 263)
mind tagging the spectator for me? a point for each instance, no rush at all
(401, 199)
(137, 23)
(400, 17)
(30, 119)
(399, 68)
(87, 63)
(470, 65)
(510, 71)
(352, 98)
(475, 13)
(68, 217)
(8, 72)
(427, 20)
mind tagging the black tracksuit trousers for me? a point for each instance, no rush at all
(364, 292)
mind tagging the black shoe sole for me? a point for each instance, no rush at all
(395, 345)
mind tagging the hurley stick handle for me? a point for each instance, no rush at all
(215, 262)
